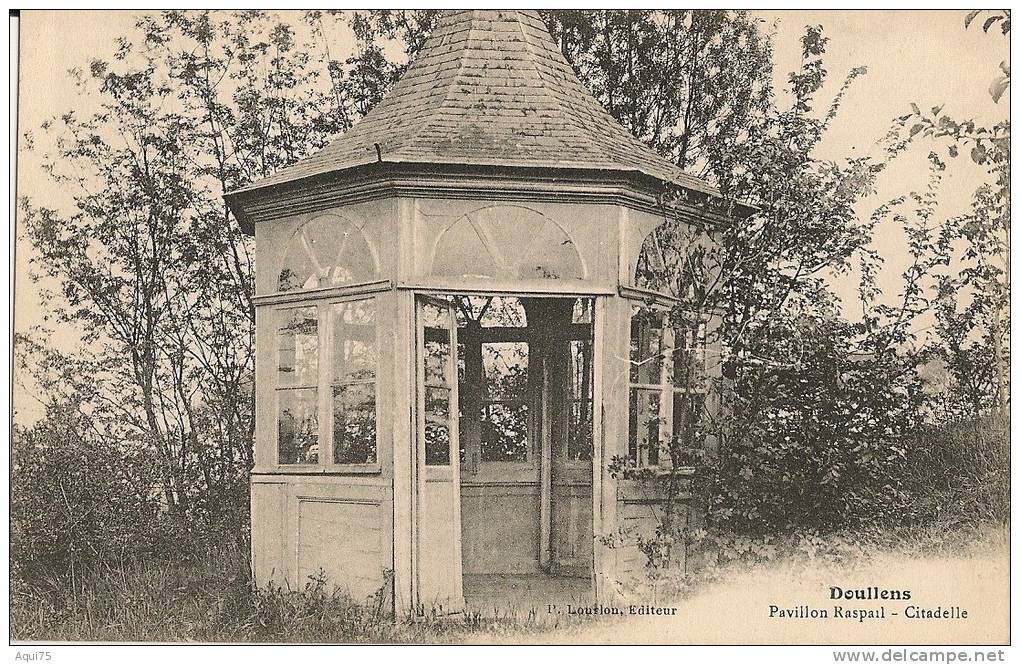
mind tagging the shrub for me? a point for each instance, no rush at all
(81, 501)
(77, 502)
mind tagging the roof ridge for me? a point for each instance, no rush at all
(567, 116)
(430, 121)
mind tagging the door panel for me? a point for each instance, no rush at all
(571, 519)
(571, 543)
(437, 523)
(500, 527)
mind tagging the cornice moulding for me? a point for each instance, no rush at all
(385, 180)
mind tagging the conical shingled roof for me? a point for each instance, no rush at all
(489, 87)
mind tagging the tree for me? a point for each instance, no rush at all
(152, 267)
(681, 80)
(972, 304)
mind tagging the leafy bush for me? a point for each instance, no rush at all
(76, 503)
(832, 450)
(81, 502)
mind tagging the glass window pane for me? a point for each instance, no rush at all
(689, 360)
(664, 261)
(350, 262)
(504, 413)
(436, 323)
(436, 330)
(491, 311)
(298, 426)
(326, 251)
(298, 347)
(582, 310)
(353, 376)
(687, 415)
(505, 433)
(689, 369)
(437, 352)
(650, 271)
(501, 311)
(299, 271)
(580, 435)
(354, 335)
(506, 370)
(579, 444)
(644, 426)
(437, 403)
(437, 426)
(646, 347)
(354, 424)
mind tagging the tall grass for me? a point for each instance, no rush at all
(212, 599)
(958, 473)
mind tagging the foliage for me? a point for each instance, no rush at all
(824, 417)
(684, 81)
(971, 309)
(1003, 19)
(212, 599)
(809, 437)
(825, 413)
(76, 502)
(86, 490)
(151, 266)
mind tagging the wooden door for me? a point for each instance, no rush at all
(436, 522)
(569, 438)
(563, 345)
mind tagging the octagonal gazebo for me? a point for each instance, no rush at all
(451, 342)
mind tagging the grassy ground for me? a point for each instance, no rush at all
(210, 601)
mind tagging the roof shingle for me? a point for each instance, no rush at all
(489, 87)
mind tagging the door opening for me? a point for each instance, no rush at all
(525, 436)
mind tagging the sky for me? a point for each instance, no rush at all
(922, 57)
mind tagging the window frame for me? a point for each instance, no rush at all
(665, 388)
(499, 468)
(342, 223)
(281, 316)
(527, 470)
(324, 387)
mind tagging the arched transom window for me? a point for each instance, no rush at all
(327, 251)
(671, 260)
(507, 242)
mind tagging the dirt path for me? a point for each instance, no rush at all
(737, 611)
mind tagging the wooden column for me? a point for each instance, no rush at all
(545, 524)
(471, 396)
(403, 449)
(611, 360)
(599, 556)
(401, 385)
